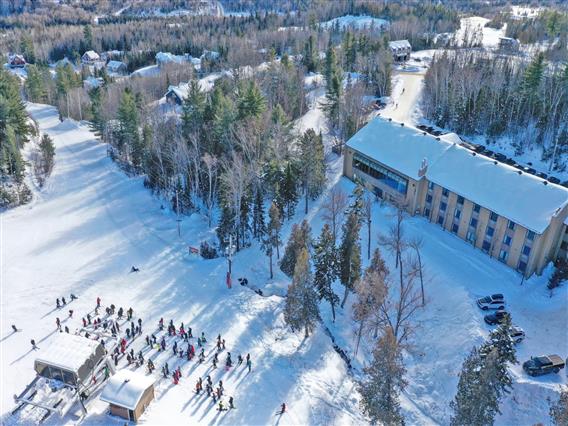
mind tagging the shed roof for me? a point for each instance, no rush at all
(126, 388)
(399, 44)
(520, 197)
(68, 351)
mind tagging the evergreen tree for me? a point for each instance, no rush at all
(193, 110)
(34, 85)
(87, 38)
(250, 102)
(301, 310)
(299, 239)
(47, 152)
(312, 165)
(326, 266)
(287, 191)
(226, 225)
(333, 89)
(310, 57)
(350, 255)
(27, 48)
(129, 133)
(272, 237)
(258, 224)
(559, 409)
(97, 120)
(383, 383)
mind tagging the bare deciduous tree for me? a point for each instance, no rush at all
(334, 209)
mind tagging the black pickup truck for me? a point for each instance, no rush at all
(541, 365)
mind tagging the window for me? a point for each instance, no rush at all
(489, 231)
(428, 198)
(476, 208)
(511, 225)
(486, 246)
(460, 200)
(473, 222)
(564, 245)
(427, 212)
(530, 235)
(526, 250)
(470, 236)
(522, 266)
(493, 217)
(455, 228)
(380, 173)
(430, 185)
(457, 213)
(443, 206)
(441, 220)
(507, 240)
(445, 192)
(503, 254)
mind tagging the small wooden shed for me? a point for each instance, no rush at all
(128, 393)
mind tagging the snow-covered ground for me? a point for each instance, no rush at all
(490, 36)
(522, 12)
(356, 21)
(91, 223)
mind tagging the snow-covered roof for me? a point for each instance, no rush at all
(401, 148)
(164, 57)
(520, 197)
(68, 351)
(115, 65)
(91, 55)
(126, 388)
(399, 44)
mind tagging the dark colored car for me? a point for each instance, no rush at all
(541, 365)
(496, 318)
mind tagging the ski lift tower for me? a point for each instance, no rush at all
(229, 252)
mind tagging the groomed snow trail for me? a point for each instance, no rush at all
(82, 235)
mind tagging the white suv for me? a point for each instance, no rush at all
(494, 302)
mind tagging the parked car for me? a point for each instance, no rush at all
(541, 365)
(495, 301)
(517, 334)
(496, 317)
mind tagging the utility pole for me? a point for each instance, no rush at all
(229, 251)
(178, 220)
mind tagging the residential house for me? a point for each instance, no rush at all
(401, 50)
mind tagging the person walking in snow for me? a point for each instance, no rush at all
(58, 323)
(72, 297)
(215, 362)
(84, 322)
(229, 362)
(98, 302)
(282, 408)
(249, 364)
(175, 347)
(34, 347)
(189, 333)
(231, 405)
(89, 319)
(63, 301)
(70, 313)
(57, 304)
(120, 312)
(203, 339)
(129, 312)
(15, 329)
(239, 360)
(221, 407)
(199, 342)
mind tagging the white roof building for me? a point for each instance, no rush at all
(90, 56)
(399, 45)
(518, 196)
(126, 388)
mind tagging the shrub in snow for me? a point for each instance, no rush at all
(207, 251)
(559, 276)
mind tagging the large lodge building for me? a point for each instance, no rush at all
(511, 215)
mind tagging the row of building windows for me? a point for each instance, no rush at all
(486, 245)
(380, 173)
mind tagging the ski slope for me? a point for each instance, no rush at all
(91, 223)
(83, 233)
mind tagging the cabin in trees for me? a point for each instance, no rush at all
(128, 394)
(401, 50)
(513, 216)
(508, 44)
(176, 94)
(90, 57)
(16, 61)
(116, 67)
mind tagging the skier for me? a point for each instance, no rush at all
(120, 312)
(218, 346)
(175, 348)
(239, 360)
(16, 329)
(33, 344)
(66, 329)
(223, 344)
(89, 318)
(221, 385)
(215, 361)
(70, 313)
(161, 324)
(229, 362)
(208, 389)
(58, 323)
(57, 303)
(63, 301)
(249, 364)
(209, 381)
(163, 343)
(128, 333)
(231, 405)
(98, 302)
(197, 389)
(203, 339)
(189, 334)
(221, 408)
(151, 366)
(112, 308)
(129, 312)
(154, 339)
(148, 342)
(282, 408)
(140, 323)
(107, 372)
(176, 378)
(73, 297)
(199, 342)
